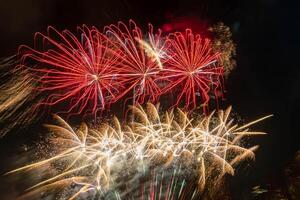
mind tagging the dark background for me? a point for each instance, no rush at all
(266, 79)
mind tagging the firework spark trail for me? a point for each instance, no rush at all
(222, 43)
(142, 60)
(96, 157)
(78, 71)
(16, 95)
(168, 185)
(193, 69)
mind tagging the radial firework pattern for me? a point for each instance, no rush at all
(87, 72)
(78, 71)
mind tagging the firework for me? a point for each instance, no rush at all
(93, 160)
(142, 62)
(194, 68)
(85, 74)
(77, 71)
(16, 95)
(160, 184)
(222, 43)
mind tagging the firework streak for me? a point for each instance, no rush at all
(175, 155)
(89, 72)
(94, 160)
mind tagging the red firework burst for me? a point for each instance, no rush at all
(88, 73)
(141, 63)
(193, 69)
(80, 71)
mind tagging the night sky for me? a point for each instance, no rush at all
(265, 81)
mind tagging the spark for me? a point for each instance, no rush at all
(86, 73)
(94, 158)
(193, 68)
(141, 64)
(76, 70)
(17, 90)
